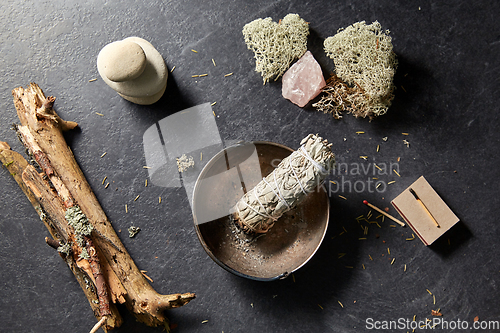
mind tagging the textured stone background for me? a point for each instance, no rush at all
(447, 100)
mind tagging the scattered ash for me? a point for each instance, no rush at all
(248, 243)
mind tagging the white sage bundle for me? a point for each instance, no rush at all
(296, 176)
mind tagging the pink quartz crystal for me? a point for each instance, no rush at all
(303, 81)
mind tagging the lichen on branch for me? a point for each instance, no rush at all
(276, 45)
(77, 219)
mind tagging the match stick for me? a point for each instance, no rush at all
(384, 213)
(425, 207)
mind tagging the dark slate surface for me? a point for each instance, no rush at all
(447, 100)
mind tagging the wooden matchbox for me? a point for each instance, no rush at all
(424, 217)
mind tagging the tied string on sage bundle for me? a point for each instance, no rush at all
(284, 188)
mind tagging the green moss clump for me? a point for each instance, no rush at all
(366, 63)
(276, 45)
(77, 219)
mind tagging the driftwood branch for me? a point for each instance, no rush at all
(49, 207)
(60, 186)
(63, 192)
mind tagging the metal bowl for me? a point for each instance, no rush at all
(286, 247)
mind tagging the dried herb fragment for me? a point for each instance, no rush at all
(132, 231)
(184, 163)
(436, 313)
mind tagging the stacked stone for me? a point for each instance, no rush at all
(134, 69)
